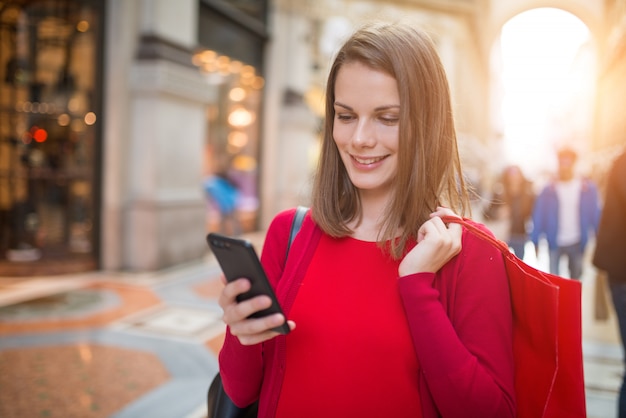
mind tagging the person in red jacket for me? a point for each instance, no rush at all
(392, 311)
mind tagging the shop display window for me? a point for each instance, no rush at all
(233, 34)
(232, 143)
(49, 135)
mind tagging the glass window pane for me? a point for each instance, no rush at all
(48, 119)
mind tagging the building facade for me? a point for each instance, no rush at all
(118, 116)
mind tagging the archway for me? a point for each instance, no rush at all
(543, 71)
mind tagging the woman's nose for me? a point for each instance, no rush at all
(364, 134)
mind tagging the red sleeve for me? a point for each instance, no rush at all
(241, 367)
(461, 324)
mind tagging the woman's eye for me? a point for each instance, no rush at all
(389, 120)
(343, 116)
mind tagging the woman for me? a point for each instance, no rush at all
(513, 201)
(398, 314)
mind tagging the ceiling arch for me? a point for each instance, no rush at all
(590, 12)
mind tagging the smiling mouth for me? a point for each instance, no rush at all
(368, 161)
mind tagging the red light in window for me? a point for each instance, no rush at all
(39, 134)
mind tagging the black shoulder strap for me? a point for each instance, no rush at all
(295, 225)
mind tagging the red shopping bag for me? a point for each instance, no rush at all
(547, 337)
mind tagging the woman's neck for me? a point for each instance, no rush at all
(373, 212)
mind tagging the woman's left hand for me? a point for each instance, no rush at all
(437, 243)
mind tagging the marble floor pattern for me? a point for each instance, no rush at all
(145, 345)
(110, 345)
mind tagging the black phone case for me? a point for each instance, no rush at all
(237, 258)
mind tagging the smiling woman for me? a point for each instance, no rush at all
(547, 78)
(398, 313)
(367, 106)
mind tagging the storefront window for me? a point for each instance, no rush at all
(49, 118)
(232, 146)
(233, 34)
(254, 8)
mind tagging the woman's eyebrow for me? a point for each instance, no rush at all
(385, 107)
(343, 105)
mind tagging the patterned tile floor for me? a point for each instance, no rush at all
(110, 345)
(145, 345)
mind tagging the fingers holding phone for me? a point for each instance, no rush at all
(250, 306)
(239, 315)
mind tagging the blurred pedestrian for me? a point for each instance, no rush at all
(224, 193)
(566, 212)
(512, 201)
(610, 251)
(399, 314)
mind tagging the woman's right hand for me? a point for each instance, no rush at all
(249, 331)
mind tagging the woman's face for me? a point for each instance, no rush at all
(366, 127)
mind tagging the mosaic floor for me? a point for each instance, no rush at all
(145, 345)
(102, 345)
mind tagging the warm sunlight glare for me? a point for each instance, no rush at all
(545, 80)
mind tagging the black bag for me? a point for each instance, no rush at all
(219, 405)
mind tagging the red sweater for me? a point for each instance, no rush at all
(460, 323)
(351, 328)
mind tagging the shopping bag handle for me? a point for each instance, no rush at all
(501, 245)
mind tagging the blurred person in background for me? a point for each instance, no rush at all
(566, 212)
(224, 194)
(610, 251)
(512, 201)
(399, 314)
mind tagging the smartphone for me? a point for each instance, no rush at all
(237, 258)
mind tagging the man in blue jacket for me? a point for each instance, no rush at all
(566, 211)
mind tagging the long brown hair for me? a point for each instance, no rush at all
(429, 170)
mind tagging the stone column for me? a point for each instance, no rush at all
(290, 126)
(154, 201)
